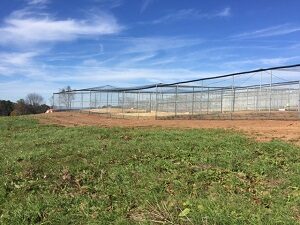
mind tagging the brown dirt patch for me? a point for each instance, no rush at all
(262, 130)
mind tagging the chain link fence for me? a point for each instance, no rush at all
(272, 93)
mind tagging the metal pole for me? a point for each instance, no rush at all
(299, 99)
(233, 105)
(123, 102)
(247, 98)
(150, 105)
(289, 93)
(193, 100)
(138, 98)
(156, 102)
(107, 103)
(100, 97)
(201, 93)
(59, 100)
(69, 104)
(222, 100)
(233, 98)
(90, 101)
(81, 100)
(258, 100)
(207, 107)
(95, 100)
(270, 105)
(163, 102)
(176, 95)
(186, 103)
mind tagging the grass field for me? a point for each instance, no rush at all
(91, 175)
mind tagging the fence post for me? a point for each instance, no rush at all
(259, 100)
(201, 93)
(138, 99)
(176, 95)
(90, 102)
(95, 106)
(207, 107)
(123, 102)
(233, 105)
(69, 104)
(81, 100)
(270, 94)
(299, 99)
(100, 98)
(162, 102)
(156, 102)
(59, 101)
(289, 97)
(247, 98)
(150, 105)
(233, 98)
(222, 100)
(193, 100)
(107, 103)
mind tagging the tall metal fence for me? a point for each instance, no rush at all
(272, 93)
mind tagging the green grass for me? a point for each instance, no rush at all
(92, 175)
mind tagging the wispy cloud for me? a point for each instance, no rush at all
(110, 3)
(23, 27)
(145, 4)
(225, 12)
(16, 58)
(153, 44)
(275, 61)
(38, 2)
(188, 14)
(283, 29)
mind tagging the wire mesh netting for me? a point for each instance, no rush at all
(272, 93)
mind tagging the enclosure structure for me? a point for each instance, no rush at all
(272, 93)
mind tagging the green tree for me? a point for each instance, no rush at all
(6, 107)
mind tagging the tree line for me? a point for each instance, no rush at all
(32, 104)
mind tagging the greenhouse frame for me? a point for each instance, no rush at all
(271, 93)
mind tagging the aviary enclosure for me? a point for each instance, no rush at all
(272, 93)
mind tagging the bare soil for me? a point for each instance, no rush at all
(262, 130)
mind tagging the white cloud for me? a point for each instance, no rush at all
(267, 62)
(225, 12)
(145, 5)
(269, 32)
(14, 64)
(188, 14)
(16, 59)
(153, 44)
(43, 78)
(37, 2)
(25, 27)
(109, 3)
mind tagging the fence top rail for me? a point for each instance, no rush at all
(109, 88)
(187, 89)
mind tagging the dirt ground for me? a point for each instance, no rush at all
(262, 130)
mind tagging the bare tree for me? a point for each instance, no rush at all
(66, 96)
(34, 99)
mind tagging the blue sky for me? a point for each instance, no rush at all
(48, 44)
